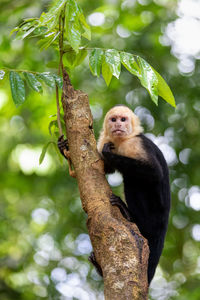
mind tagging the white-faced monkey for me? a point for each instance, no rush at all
(145, 175)
(124, 148)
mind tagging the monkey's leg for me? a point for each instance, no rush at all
(92, 259)
(115, 200)
(64, 150)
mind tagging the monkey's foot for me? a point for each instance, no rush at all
(63, 146)
(92, 259)
(115, 200)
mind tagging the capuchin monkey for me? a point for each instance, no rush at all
(124, 148)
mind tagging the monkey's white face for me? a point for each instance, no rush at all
(119, 125)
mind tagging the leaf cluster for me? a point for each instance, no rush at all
(110, 61)
(47, 26)
(33, 80)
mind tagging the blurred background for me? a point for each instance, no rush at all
(44, 243)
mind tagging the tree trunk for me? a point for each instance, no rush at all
(119, 248)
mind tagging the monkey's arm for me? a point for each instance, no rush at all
(151, 170)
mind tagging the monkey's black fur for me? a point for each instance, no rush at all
(147, 193)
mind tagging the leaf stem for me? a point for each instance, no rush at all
(60, 68)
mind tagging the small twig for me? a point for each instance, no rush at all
(60, 69)
(58, 111)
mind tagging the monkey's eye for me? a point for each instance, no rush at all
(123, 119)
(113, 119)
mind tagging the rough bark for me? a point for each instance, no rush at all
(119, 248)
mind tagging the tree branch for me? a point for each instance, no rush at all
(119, 248)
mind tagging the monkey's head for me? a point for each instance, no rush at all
(120, 122)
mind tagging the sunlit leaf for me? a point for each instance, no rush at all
(51, 124)
(112, 59)
(58, 80)
(73, 32)
(95, 61)
(26, 28)
(107, 74)
(73, 11)
(129, 62)
(48, 78)
(48, 40)
(50, 19)
(17, 88)
(14, 30)
(164, 90)
(33, 82)
(86, 27)
(43, 153)
(148, 79)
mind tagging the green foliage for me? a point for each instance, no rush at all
(68, 13)
(111, 66)
(48, 26)
(76, 25)
(95, 61)
(17, 88)
(44, 151)
(33, 82)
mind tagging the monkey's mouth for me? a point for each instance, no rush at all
(118, 131)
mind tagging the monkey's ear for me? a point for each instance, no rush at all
(136, 124)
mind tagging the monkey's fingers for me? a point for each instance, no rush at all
(92, 259)
(62, 144)
(115, 200)
(61, 138)
(108, 147)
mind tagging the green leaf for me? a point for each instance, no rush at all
(58, 80)
(73, 28)
(129, 62)
(2, 74)
(148, 79)
(106, 72)
(17, 88)
(48, 40)
(14, 30)
(73, 11)
(26, 28)
(112, 59)
(73, 32)
(43, 153)
(51, 124)
(164, 90)
(60, 157)
(86, 27)
(69, 58)
(51, 18)
(48, 78)
(33, 82)
(95, 61)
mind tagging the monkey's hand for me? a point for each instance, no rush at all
(64, 150)
(115, 200)
(63, 146)
(108, 147)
